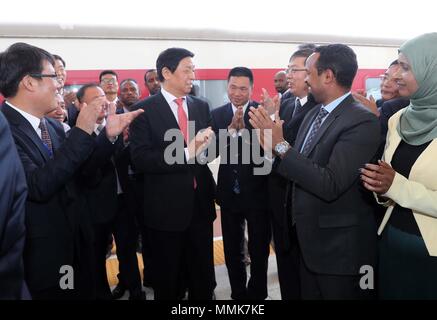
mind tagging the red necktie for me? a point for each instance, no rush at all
(183, 124)
(182, 118)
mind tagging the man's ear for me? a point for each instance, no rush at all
(166, 73)
(28, 83)
(329, 76)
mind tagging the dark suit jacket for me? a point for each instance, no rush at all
(13, 192)
(72, 115)
(253, 187)
(53, 205)
(277, 183)
(169, 194)
(333, 212)
(99, 181)
(287, 95)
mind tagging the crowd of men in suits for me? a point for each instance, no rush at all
(66, 190)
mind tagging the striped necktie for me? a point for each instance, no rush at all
(316, 126)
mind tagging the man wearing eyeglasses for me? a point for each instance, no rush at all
(53, 163)
(109, 83)
(293, 111)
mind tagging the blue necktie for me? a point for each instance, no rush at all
(45, 137)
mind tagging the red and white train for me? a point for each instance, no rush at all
(88, 50)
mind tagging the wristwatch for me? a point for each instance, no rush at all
(281, 148)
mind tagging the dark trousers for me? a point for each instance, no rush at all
(287, 259)
(136, 205)
(83, 274)
(126, 235)
(102, 231)
(172, 250)
(316, 286)
(259, 232)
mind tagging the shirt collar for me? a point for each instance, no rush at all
(303, 100)
(103, 124)
(234, 108)
(169, 97)
(334, 104)
(34, 121)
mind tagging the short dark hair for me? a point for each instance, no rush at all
(170, 59)
(128, 80)
(19, 60)
(309, 46)
(302, 53)
(104, 72)
(60, 59)
(341, 60)
(81, 92)
(241, 72)
(147, 72)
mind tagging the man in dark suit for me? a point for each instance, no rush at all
(178, 189)
(331, 213)
(13, 192)
(52, 164)
(125, 226)
(292, 111)
(101, 189)
(241, 194)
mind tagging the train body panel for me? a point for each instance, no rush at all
(131, 51)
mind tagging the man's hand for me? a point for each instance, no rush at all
(368, 103)
(89, 113)
(270, 104)
(69, 98)
(260, 119)
(237, 122)
(116, 123)
(200, 142)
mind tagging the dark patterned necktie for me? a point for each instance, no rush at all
(316, 126)
(45, 137)
(297, 107)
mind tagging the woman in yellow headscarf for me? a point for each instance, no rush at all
(406, 180)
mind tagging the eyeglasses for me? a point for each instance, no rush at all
(294, 70)
(44, 75)
(107, 81)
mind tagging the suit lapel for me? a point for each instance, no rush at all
(328, 121)
(26, 128)
(166, 113)
(54, 137)
(303, 130)
(246, 115)
(192, 111)
(228, 115)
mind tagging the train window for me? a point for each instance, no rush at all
(213, 91)
(373, 87)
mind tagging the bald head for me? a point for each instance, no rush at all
(280, 81)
